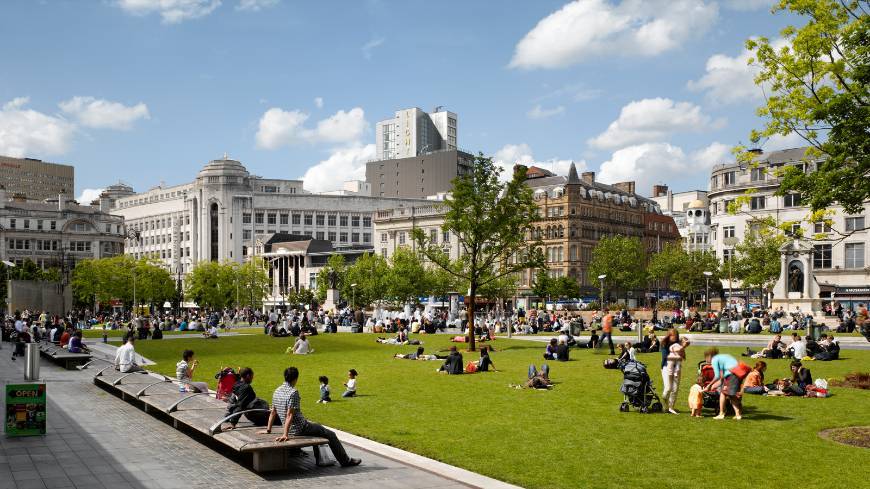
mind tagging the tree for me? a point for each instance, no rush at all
(212, 284)
(622, 259)
(252, 281)
(565, 288)
(757, 260)
(337, 264)
(543, 284)
(492, 222)
(370, 273)
(407, 277)
(684, 270)
(817, 87)
(104, 279)
(154, 284)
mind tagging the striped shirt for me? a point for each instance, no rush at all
(287, 397)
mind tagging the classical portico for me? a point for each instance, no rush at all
(797, 286)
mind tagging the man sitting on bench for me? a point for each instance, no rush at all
(286, 407)
(125, 356)
(244, 398)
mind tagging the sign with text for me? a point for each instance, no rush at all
(25, 409)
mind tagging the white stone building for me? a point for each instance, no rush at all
(225, 211)
(413, 132)
(393, 229)
(839, 265)
(691, 214)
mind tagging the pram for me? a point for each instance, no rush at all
(637, 389)
(226, 378)
(710, 398)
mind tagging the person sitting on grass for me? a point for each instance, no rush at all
(562, 354)
(774, 348)
(211, 333)
(301, 347)
(184, 373)
(727, 382)
(550, 352)
(754, 382)
(623, 353)
(453, 364)
(350, 385)
(324, 390)
(157, 334)
(400, 339)
(593, 340)
(485, 363)
(287, 407)
(797, 349)
(800, 379)
(243, 398)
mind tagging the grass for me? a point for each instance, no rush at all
(571, 436)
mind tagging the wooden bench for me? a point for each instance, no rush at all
(62, 356)
(158, 394)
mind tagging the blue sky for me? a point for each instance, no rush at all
(146, 91)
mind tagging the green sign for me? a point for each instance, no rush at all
(25, 409)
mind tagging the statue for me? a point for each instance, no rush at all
(333, 279)
(795, 278)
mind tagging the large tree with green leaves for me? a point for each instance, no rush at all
(117, 277)
(212, 284)
(684, 270)
(253, 282)
(816, 86)
(622, 259)
(757, 261)
(491, 220)
(407, 278)
(370, 272)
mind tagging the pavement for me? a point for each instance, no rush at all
(95, 440)
(710, 339)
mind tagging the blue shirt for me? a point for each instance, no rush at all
(722, 365)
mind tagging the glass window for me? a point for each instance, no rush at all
(854, 255)
(330, 220)
(297, 219)
(342, 221)
(757, 203)
(319, 234)
(308, 219)
(285, 219)
(271, 219)
(383, 237)
(728, 231)
(331, 236)
(854, 223)
(354, 221)
(402, 237)
(367, 222)
(821, 227)
(354, 237)
(792, 200)
(757, 174)
(822, 256)
(320, 219)
(258, 218)
(342, 237)
(367, 237)
(729, 178)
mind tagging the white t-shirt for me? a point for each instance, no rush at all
(351, 385)
(800, 349)
(301, 347)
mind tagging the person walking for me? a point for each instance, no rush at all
(607, 330)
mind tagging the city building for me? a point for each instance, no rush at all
(417, 176)
(690, 211)
(56, 233)
(839, 248)
(413, 132)
(393, 229)
(34, 179)
(225, 211)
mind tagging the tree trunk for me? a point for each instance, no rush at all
(472, 300)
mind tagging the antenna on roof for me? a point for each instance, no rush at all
(226, 156)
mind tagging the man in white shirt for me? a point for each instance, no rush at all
(125, 357)
(798, 347)
(212, 332)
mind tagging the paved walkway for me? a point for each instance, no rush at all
(95, 440)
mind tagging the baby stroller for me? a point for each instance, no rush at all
(637, 389)
(226, 378)
(710, 398)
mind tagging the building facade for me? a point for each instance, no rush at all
(690, 211)
(393, 229)
(839, 264)
(414, 132)
(226, 211)
(34, 179)
(58, 232)
(417, 176)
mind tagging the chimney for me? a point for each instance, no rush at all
(627, 187)
(3, 197)
(588, 176)
(61, 202)
(659, 190)
(105, 204)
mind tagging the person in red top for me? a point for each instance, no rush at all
(607, 330)
(64, 338)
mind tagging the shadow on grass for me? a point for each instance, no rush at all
(752, 413)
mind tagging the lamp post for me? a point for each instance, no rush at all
(601, 297)
(353, 296)
(730, 241)
(707, 276)
(9, 265)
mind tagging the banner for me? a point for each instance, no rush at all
(25, 409)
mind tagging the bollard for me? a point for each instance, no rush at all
(31, 362)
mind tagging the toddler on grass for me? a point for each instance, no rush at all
(350, 384)
(324, 390)
(696, 398)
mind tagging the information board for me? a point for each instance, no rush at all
(25, 409)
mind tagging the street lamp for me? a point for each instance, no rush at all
(601, 297)
(707, 276)
(353, 296)
(9, 265)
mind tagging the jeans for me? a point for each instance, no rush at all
(349, 394)
(754, 390)
(671, 380)
(545, 370)
(316, 429)
(609, 341)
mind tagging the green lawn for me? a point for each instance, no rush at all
(572, 436)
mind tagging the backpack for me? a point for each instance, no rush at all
(471, 367)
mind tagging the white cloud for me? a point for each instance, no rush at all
(104, 114)
(88, 195)
(777, 142)
(280, 127)
(650, 163)
(731, 79)
(368, 47)
(576, 92)
(651, 120)
(342, 165)
(26, 132)
(538, 112)
(512, 154)
(745, 5)
(318, 102)
(171, 11)
(255, 5)
(584, 29)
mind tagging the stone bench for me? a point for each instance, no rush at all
(160, 395)
(62, 356)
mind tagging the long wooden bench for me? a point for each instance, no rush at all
(62, 356)
(158, 394)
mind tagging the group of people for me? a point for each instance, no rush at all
(23, 328)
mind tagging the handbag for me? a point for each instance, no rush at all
(741, 370)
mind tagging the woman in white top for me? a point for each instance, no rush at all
(671, 372)
(302, 347)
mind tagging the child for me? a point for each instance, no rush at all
(350, 384)
(324, 390)
(696, 397)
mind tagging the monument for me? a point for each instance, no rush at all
(797, 286)
(332, 296)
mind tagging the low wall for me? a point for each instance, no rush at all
(38, 296)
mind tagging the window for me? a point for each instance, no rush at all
(319, 234)
(330, 236)
(285, 219)
(342, 221)
(384, 252)
(367, 237)
(297, 219)
(246, 234)
(433, 236)
(26, 223)
(854, 223)
(383, 237)
(39, 226)
(402, 237)
(330, 220)
(354, 237)
(271, 219)
(757, 174)
(367, 222)
(258, 218)
(729, 178)
(822, 256)
(795, 229)
(757, 203)
(12, 223)
(342, 237)
(821, 227)
(726, 203)
(445, 237)
(308, 219)
(354, 221)
(854, 255)
(728, 231)
(727, 255)
(792, 200)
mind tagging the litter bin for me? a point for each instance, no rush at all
(575, 328)
(31, 362)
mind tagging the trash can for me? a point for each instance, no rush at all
(575, 328)
(31, 361)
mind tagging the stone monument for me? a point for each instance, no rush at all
(797, 286)
(332, 296)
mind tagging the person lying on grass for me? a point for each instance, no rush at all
(418, 355)
(400, 339)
